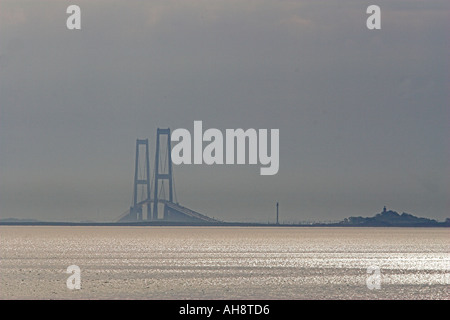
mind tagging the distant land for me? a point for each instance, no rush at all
(14, 220)
(389, 218)
(386, 218)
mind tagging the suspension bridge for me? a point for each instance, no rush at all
(163, 204)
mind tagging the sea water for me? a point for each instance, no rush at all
(118, 262)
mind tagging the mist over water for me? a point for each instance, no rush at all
(223, 262)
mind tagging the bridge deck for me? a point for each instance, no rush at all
(172, 207)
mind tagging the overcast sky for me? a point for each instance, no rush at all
(363, 114)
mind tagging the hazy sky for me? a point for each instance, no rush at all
(363, 114)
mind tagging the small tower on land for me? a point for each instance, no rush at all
(277, 212)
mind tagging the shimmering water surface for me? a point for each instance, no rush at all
(223, 262)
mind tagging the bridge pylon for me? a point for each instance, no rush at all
(162, 175)
(141, 178)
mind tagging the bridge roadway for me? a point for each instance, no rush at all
(172, 212)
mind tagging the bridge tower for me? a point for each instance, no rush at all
(141, 177)
(165, 173)
(173, 211)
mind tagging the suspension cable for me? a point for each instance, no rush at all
(153, 175)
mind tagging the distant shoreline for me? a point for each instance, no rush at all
(387, 218)
(220, 224)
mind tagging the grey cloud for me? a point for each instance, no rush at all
(363, 115)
